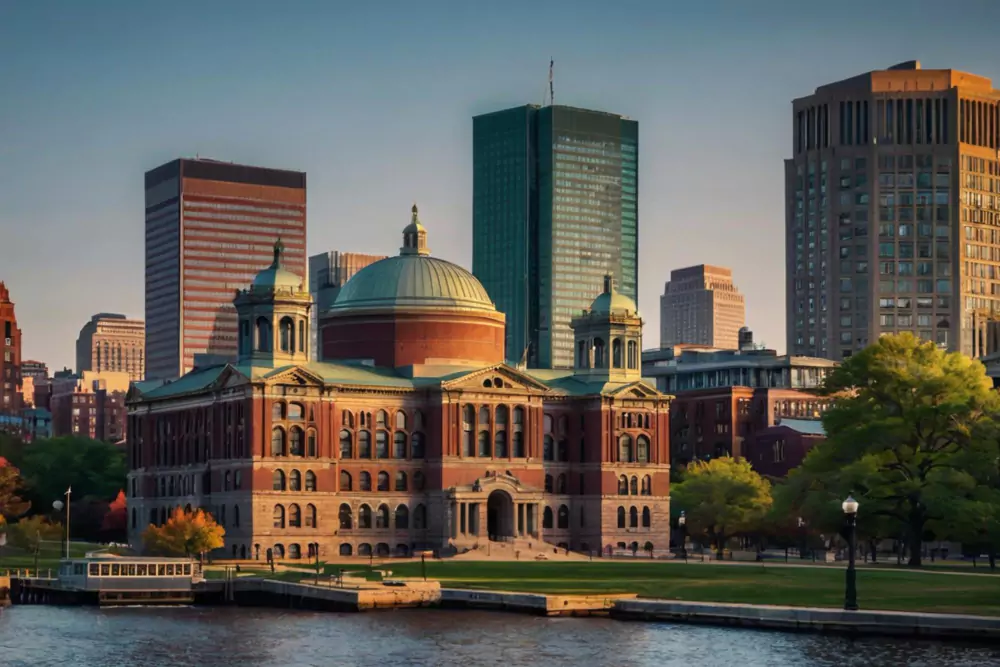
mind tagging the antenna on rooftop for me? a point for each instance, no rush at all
(552, 93)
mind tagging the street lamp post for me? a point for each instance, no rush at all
(802, 538)
(682, 524)
(850, 507)
(57, 505)
(423, 564)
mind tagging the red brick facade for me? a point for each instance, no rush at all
(10, 357)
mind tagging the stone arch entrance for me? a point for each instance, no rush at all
(500, 515)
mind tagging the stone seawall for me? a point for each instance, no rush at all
(532, 603)
(812, 619)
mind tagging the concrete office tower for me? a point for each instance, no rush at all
(328, 272)
(10, 362)
(891, 211)
(112, 342)
(210, 228)
(554, 209)
(701, 306)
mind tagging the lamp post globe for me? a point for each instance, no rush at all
(57, 505)
(850, 507)
(682, 524)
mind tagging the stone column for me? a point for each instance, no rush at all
(453, 519)
(520, 520)
(462, 518)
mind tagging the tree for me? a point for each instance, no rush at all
(912, 432)
(114, 527)
(91, 467)
(11, 504)
(184, 533)
(30, 532)
(722, 498)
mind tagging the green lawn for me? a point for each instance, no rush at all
(48, 556)
(799, 586)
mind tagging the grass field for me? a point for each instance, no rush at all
(48, 555)
(775, 584)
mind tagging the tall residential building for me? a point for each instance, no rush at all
(701, 306)
(33, 374)
(554, 209)
(111, 342)
(10, 362)
(328, 272)
(892, 202)
(210, 227)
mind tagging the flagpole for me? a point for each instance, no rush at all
(67, 520)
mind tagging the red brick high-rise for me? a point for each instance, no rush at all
(10, 361)
(210, 227)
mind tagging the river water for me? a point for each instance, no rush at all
(38, 636)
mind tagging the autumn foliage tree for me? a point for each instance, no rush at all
(11, 504)
(184, 534)
(114, 527)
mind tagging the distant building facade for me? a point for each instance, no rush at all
(328, 272)
(111, 342)
(10, 361)
(554, 210)
(91, 405)
(210, 227)
(777, 450)
(700, 305)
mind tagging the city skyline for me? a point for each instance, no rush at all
(94, 108)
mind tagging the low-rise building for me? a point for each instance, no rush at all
(776, 450)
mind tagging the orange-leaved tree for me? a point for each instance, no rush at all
(184, 534)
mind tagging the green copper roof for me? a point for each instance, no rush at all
(277, 276)
(613, 302)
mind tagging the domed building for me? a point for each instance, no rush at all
(412, 433)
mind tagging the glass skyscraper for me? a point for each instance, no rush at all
(554, 209)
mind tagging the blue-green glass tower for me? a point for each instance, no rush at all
(554, 208)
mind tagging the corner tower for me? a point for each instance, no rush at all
(274, 317)
(608, 338)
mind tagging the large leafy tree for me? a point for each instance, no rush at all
(94, 469)
(913, 432)
(721, 498)
(184, 534)
(31, 532)
(11, 503)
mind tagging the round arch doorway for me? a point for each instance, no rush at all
(500, 516)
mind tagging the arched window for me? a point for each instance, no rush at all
(501, 415)
(500, 444)
(402, 517)
(616, 352)
(364, 517)
(381, 444)
(600, 354)
(581, 354)
(295, 481)
(400, 480)
(418, 481)
(547, 423)
(294, 516)
(345, 480)
(346, 549)
(633, 518)
(642, 449)
(364, 444)
(347, 419)
(277, 441)
(484, 416)
(633, 354)
(277, 411)
(287, 332)
(364, 549)
(547, 448)
(228, 481)
(625, 448)
(263, 327)
(365, 481)
(621, 517)
(417, 446)
(563, 424)
(419, 421)
(519, 415)
(623, 485)
(310, 480)
(399, 444)
(302, 335)
(548, 484)
(645, 517)
(633, 486)
(311, 516)
(563, 518)
(296, 441)
(484, 443)
(346, 519)
(346, 444)
(279, 516)
(382, 517)
(381, 419)
(562, 450)
(518, 445)
(647, 486)
(382, 549)
(401, 420)
(296, 412)
(419, 517)
(383, 481)
(278, 551)
(561, 483)
(547, 518)
(311, 451)
(278, 480)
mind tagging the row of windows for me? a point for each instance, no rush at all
(295, 516)
(293, 481)
(380, 517)
(633, 517)
(364, 448)
(382, 481)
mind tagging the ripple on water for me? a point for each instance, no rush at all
(225, 637)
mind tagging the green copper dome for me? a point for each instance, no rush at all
(413, 279)
(277, 276)
(613, 302)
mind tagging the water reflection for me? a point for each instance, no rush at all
(202, 637)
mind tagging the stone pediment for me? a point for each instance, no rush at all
(636, 389)
(229, 378)
(294, 376)
(493, 378)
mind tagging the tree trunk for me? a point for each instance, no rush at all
(916, 532)
(874, 549)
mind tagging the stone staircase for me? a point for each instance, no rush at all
(525, 549)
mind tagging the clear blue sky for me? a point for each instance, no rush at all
(376, 105)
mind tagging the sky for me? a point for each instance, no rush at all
(375, 104)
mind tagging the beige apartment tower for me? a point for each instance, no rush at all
(892, 206)
(111, 342)
(701, 306)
